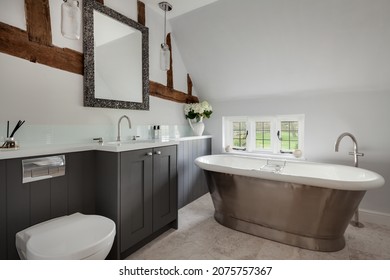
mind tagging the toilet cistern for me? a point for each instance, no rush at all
(118, 138)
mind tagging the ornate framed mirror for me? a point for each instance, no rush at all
(116, 59)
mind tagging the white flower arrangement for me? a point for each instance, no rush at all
(198, 110)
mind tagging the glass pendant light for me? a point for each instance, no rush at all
(71, 19)
(165, 54)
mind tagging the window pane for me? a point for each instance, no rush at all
(294, 145)
(263, 135)
(285, 146)
(285, 126)
(289, 135)
(239, 134)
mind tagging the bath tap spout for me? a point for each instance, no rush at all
(118, 138)
(356, 156)
(355, 152)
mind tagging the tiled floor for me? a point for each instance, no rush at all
(200, 237)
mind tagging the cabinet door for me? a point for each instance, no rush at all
(135, 197)
(164, 186)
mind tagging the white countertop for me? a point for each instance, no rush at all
(114, 147)
(71, 148)
(188, 138)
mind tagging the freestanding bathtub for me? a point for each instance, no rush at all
(308, 205)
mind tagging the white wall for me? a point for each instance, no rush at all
(53, 99)
(247, 48)
(364, 114)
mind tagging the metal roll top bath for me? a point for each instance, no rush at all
(308, 205)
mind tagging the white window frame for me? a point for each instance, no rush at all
(275, 121)
(301, 126)
(252, 133)
(228, 128)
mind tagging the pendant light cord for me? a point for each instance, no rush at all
(165, 26)
(166, 7)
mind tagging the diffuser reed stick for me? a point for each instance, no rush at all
(18, 125)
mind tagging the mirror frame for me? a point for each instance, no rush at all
(89, 58)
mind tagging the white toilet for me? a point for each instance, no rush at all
(73, 237)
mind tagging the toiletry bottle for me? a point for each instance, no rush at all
(155, 132)
(158, 132)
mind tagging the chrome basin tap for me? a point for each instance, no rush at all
(118, 138)
(355, 152)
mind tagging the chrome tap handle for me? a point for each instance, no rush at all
(357, 154)
(99, 139)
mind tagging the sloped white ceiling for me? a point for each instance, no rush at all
(250, 48)
(179, 7)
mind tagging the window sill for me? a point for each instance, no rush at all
(265, 155)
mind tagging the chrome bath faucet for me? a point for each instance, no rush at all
(356, 155)
(118, 138)
(355, 152)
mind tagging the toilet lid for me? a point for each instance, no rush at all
(76, 236)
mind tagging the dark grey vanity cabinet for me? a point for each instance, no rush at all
(3, 211)
(191, 179)
(138, 190)
(25, 204)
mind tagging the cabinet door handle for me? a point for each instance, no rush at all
(158, 153)
(149, 154)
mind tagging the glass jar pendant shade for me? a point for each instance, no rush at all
(71, 19)
(165, 57)
(165, 54)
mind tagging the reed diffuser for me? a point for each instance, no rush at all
(10, 142)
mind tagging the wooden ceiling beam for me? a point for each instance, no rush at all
(15, 41)
(161, 91)
(38, 21)
(141, 13)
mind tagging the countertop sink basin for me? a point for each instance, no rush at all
(128, 142)
(128, 145)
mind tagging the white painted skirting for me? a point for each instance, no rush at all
(374, 217)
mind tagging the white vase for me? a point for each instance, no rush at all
(197, 126)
